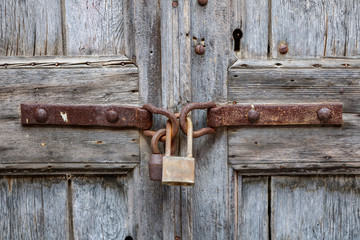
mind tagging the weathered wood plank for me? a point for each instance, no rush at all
(252, 19)
(253, 208)
(100, 207)
(98, 27)
(30, 28)
(34, 208)
(109, 82)
(210, 26)
(319, 150)
(145, 219)
(296, 82)
(315, 208)
(315, 28)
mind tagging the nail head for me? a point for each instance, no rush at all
(40, 115)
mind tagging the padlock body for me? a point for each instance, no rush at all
(178, 171)
(155, 167)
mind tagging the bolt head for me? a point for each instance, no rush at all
(202, 2)
(253, 116)
(40, 115)
(200, 49)
(324, 114)
(112, 116)
(283, 48)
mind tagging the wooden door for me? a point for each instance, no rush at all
(251, 183)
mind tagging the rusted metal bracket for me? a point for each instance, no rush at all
(86, 115)
(268, 114)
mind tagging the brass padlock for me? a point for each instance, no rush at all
(179, 171)
(156, 160)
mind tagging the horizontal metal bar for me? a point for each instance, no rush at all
(86, 115)
(268, 114)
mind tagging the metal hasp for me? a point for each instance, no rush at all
(86, 115)
(275, 114)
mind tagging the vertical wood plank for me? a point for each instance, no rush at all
(97, 27)
(210, 26)
(315, 208)
(146, 218)
(316, 28)
(100, 207)
(252, 18)
(33, 208)
(30, 28)
(253, 208)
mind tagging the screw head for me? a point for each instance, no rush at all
(253, 116)
(200, 49)
(283, 48)
(202, 2)
(112, 116)
(40, 115)
(175, 4)
(324, 114)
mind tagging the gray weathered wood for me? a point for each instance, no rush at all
(315, 208)
(319, 150)
(30, 28)
(252, 18)
(33, 208)
(253, 208)
(98, 27)
(315, 28)
(210, 195)
(99, 207)
(145, 201)
(50, 149)
(296, 82)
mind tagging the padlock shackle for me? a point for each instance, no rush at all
(168, 139)
(190, 129)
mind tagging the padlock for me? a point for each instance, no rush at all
(179, 171)
(156, 160)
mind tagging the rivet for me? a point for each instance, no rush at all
(202, 2)
(324, 114)
(253, 116)
(112, 116)
(40, 115)
(283, 48)
(175, 4)
(200, 49)
(341, 90)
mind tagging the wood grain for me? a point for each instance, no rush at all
(100, 207)
(33, 208)
(252, 18)
(309, 81)
(319, 150)
(210, 26)
(315, 28)
(30, 28)
(253, 208)
(97, 27)
(315, 207)
(110, 81)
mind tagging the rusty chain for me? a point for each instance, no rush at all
(185, 111)
(160, 135)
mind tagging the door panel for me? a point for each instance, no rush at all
(34, 208)
(315, 207)
(315, 28)
(44, 150)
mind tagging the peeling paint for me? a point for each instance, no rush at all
(64, 116)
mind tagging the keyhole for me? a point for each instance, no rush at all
(237, 34)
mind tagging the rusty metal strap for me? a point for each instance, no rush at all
(275, 114)
(86, 115)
